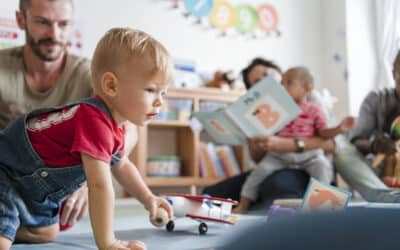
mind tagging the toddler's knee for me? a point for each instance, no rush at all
(37, 235)
(5, 243)
(48, 234)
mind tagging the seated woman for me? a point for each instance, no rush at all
(287, 183)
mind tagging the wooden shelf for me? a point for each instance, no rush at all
(175, 137)
(169, 123)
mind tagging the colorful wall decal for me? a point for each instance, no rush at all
(198, 8)
(247, 18)
(268, 18)
(223, 15)
(243, 19)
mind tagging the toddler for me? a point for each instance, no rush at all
(47, 154)
(298, 82)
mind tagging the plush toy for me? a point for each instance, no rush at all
(391, 171)
(222, 80)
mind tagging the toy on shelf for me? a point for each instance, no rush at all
(222, 80)
(201, 208)
(391, 163)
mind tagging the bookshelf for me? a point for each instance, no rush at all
(176, 137)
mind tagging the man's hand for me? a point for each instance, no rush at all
(75, 207)
(383, 144)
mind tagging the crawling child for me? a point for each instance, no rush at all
(47, 154)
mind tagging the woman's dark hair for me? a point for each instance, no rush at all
(257, 61)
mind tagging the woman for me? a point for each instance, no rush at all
(287, 183)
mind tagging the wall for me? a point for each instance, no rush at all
(334, 53)
(299, 44)
(314, 33)
(361, 50)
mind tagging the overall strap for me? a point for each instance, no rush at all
(91, 101)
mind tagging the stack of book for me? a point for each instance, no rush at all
(217, 161)
(176, 109)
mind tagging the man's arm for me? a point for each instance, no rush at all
(366, 124)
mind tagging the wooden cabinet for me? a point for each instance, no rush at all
(177, 137)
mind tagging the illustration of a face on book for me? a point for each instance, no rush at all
(322, 197)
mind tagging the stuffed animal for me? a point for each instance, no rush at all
(391, 171)
(222, 80)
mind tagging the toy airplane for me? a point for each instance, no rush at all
(200, 208)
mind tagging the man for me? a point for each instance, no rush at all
(42, 73)
(371, 136)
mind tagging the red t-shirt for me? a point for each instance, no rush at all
(60, 137)
(307, 124)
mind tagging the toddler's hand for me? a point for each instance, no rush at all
(153, 203)
(347, 123)
(127, 245)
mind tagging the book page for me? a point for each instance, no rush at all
(323, 197)
(264, 109)
(220, 128)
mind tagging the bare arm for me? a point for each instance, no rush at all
(129, 177)
(345, 125)
(328, 133)
(281, 144)
(363, 145)
(101, 200)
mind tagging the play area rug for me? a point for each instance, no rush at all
(132, 223)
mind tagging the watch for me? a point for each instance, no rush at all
(300, 145)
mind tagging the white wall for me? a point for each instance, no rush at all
(299, 44)
(312, 32)
(334, 53)
(361, 50)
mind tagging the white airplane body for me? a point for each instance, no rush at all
(201, 208)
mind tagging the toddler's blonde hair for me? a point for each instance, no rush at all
(120, 46)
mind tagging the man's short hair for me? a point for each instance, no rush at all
(257, 61)
(26, 4)
(120, 46)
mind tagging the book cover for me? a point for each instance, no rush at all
(263, 110)
(323, 197)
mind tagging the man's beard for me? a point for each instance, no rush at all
(48, 57)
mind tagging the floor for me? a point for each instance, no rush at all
(132, 223)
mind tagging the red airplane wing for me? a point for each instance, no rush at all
(197, 217)
(202, 198)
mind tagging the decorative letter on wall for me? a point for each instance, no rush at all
(243, 19)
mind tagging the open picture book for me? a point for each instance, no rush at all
(323, 197)
(263, 110)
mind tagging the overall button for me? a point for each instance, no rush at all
(44, 174)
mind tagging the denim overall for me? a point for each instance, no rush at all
(31, 192)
